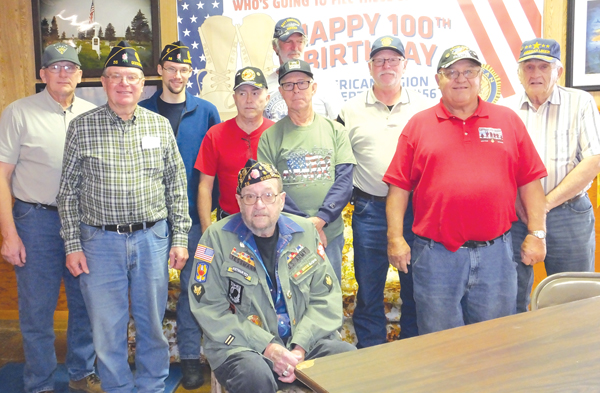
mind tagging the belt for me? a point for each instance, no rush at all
(470, 243)
(362, 194)
(126, 228)
(40, 205)
(576, 197)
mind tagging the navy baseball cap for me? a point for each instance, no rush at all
(387, 42)
(286, 27)
(540, 48)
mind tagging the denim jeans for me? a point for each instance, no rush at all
(467, 286)
(369, 225)
(128, 270)
(570, 245)
(188, 330)
(334, 251)
(38, 284)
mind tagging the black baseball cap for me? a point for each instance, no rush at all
(250, 76)
(295, 65)
(457, 53)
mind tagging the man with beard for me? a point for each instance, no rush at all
(190, 118)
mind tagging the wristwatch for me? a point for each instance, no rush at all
(539, 234)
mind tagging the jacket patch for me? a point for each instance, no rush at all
(243, 259)
(321, 250)
(296, 257)
(328, 282)
(229, 339)
(197, 291)
(305, 267)
(255, 319)
(235, 292)
(235, 269)
(201, 271)
(204, 253)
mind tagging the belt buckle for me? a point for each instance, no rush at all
(124, 225)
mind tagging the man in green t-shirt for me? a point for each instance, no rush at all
(314, 156)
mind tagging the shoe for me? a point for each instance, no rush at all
(89, 384)
(193, 377)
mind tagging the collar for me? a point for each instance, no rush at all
(117, 119)
(372, 100)
(482, 110)
(554, 98)
(236, 225)
(58, 107)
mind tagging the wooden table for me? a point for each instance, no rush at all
(556, 349)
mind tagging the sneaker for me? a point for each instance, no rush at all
(193, 377)
(89, 384)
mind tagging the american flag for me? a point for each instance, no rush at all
(204, 253)
(190, 16)
(92, 10)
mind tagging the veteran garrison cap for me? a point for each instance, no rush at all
(250, 76)
(457, 53)
(286, 27)
(123, 55)
(255, 172)
(543, 49)
(59, 52)
(295, 65)
(177, 53)
(387, 42)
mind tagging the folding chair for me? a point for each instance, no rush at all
(565, 287)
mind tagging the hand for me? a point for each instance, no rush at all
(284, 361)
(178, 256)
(323, 237)
(77, 264)
(318, 222)
(399, 253)
(533, 250)
(13, 250)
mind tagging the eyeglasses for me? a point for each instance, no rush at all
(267, 199)
(174, 71)
(393, 61)
(132, 79)
(69, 68)
(454, 74)
(289, 86)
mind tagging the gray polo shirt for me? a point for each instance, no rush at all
(32, 137)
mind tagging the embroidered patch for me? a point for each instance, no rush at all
(198, 291)
(312, 262)
(255, 319)
(235, 292)
(328, 282)
(300, 254)
(243, 259)
(229, 339)
(201, 271)
(235, 269)
(492, 135)
(321, 250)
(204, 253)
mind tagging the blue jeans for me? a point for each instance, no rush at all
(188, 330)
(334, 250)
(369, 225)
(128, 270)
(467, 286)
(570, 245)
(38, 284)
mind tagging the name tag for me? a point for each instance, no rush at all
(150, 142)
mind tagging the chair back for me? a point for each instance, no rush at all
(565, 287)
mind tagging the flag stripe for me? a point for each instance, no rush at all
(507, 26)
(533, 15)
(485, 44)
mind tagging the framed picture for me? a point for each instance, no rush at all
(94, 92)
(583, 45)
(93, 27)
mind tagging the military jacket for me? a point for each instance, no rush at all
(231, 297)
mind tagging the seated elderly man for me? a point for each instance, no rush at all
(265, 293)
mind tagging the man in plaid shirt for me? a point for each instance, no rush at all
(122, 180)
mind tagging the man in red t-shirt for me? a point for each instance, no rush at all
(465, 160)
(228, 146)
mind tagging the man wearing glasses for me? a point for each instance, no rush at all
(32, 138)
(124, 212)
(190, 119)
(465, 160)
(374, 120)
(314, 157)
(264, 291)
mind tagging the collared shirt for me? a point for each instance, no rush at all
(32, 137)
(373, 130)
(121, 172)
(564, 130)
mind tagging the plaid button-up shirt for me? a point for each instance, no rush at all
(121, 172)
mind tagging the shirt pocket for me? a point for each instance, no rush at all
(153, 163)
(241, 288)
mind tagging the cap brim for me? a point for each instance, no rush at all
(457, 60)
(548, 59)
(257, 85)
(290, 71)
(286, 35)
(375, 51)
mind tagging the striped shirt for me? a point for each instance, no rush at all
(121, 172)
(564, 130)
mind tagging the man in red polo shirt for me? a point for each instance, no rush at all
(465, 160)
(228, 146)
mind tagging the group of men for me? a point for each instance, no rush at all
(464, 192)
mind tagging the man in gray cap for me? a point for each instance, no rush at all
(124, 212)
(32, 137)
(563, 124)
(374, 120)
(464, 159)
(289, 41)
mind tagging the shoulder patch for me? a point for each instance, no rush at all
(201, 272)
(321, 250)
(328, 282)
(235, 292)
(204, 253)
(197, 291)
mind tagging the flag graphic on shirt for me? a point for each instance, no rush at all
(204, 253)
